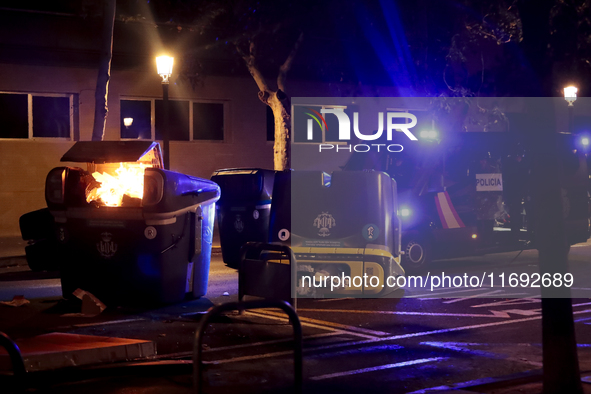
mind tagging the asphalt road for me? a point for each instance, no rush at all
(417, 344)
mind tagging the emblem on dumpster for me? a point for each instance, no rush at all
(370, 232)
(324, 222)
(106, 247)
(283, 234)
(150, 232)
(239, 224)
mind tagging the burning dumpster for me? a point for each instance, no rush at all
(129, 231)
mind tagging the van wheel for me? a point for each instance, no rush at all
(417, 252)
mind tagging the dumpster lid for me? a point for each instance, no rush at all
(112, 151)
(239, 171)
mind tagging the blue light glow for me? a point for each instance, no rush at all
(405, 212)
(428, 134)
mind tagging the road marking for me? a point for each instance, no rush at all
(464, 349)
(263, 343)
(333, 299)
(331, 324)
(390, 338)
(436, 294)
(248, 358)
(524, 344)
(308, 324)
(472, 296)
(308, 350)
(494, 314)
(518, 301)
(378, 368)
(357, 350)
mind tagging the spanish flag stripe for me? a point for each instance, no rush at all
(447, 213)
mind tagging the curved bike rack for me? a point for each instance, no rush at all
(241, 306)
(16, 359)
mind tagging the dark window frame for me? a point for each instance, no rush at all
(153, 100)
(72, 116)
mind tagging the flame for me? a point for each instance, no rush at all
(128, 181)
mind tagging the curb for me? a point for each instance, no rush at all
(13, 261)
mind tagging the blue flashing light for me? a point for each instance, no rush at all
(428, 134)
(405, 212)
(585, 141)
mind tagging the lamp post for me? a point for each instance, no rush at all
(164, 66)
(570, 95)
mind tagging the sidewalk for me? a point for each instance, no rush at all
(12, 247)
(12, 252)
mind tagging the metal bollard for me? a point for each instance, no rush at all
(16, 358)
(240, 306)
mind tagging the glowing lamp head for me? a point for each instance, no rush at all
(570, 94)
(164, 66)
(127, 122)
(585, 141)
(474, 236)
(405, 212)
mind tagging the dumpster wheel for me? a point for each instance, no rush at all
(417, 252)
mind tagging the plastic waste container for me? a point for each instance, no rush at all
(42, 251)
(124, 247)
(244, 208)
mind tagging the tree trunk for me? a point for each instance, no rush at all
(281, 148)
(278, 101)
(104, 72)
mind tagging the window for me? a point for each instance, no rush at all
(187, 120)
(321, 131)
(140, 113)
(178, 120)
(26, 115)
(208, 121)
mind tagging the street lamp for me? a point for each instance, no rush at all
(164, 66)
(570, 95)
(127, 122)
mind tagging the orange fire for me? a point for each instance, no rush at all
(129, 180)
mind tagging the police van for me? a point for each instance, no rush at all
(469, 193)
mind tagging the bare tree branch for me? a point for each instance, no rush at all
(104, 72)
(258, 77)
(287, 64)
